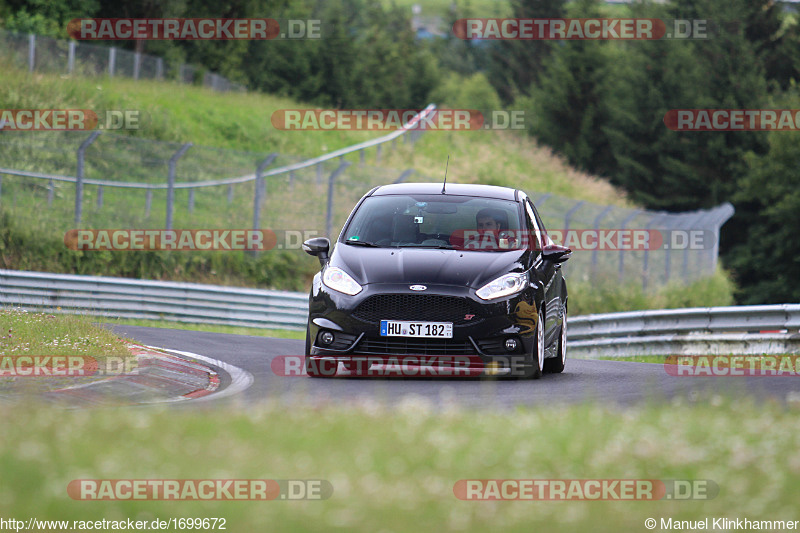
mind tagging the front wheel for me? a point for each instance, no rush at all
(534, 371)
(555, 365)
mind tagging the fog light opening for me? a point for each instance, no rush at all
(511, 344)
(326, 338)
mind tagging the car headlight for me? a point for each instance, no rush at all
(502, 286)
(339, 280)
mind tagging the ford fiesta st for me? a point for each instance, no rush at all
(431, 275)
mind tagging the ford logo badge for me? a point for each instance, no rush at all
(418, 287)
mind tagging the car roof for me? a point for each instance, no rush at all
(456, 189)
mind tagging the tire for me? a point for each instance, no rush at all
(317, 369)
(537, 360)
(555, 365)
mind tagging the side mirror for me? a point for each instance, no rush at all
(556, 253)
(318, 247)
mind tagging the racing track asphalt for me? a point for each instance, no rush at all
(610, 382)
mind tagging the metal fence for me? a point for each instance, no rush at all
(762, 329)
(127, 178)
(608, 241)
(62, 180)
(61, 56)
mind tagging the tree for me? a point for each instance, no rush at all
(460, 56)
(46, 17)
(517, 64)
(766, 253)
(471, 92)
(664, 169)
(775, 37)
(569, 104)
(367, 58)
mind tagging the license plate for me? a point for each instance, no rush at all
(398, 328)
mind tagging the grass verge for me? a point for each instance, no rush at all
(42, 334)
(394, 469)
(212, 328)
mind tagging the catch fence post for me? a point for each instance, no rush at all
(173, 161)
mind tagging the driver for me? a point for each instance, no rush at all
(491, 220)
(489, 223)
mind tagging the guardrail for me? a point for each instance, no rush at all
(156, 300)
(753, 329)
(705, 330)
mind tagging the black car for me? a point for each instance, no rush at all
(439, 276)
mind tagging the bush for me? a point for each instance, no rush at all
(611, 296)
(467, 92)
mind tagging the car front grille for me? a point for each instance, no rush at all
(412, 346)
(418, 307)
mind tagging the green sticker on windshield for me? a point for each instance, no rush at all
(354, 238)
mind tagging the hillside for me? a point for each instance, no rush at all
(238, 121)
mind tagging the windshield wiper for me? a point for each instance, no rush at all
(362, 243)
(432, 246)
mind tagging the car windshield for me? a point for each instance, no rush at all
(434, 221)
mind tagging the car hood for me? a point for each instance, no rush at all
(433, 266)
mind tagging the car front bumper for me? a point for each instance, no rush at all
(478, 341)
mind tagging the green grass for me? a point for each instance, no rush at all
(610, 296)
(393, 469)
(42, 334)
(48, 334)
(172, 111)
(213, 328)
